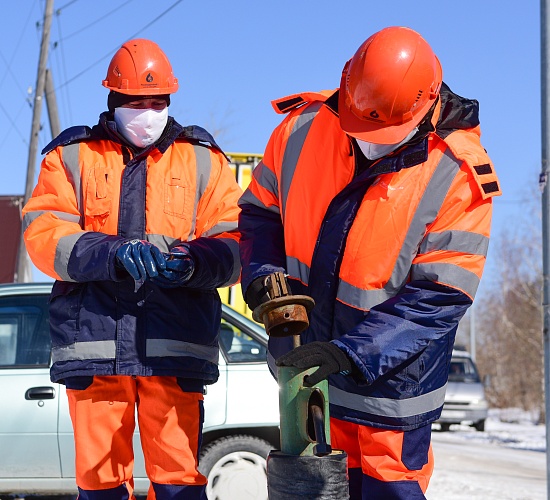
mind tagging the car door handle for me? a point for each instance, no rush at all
(40, 393)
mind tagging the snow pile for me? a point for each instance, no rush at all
(511, 428)
(507, 461)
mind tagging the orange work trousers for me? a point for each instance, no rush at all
(384, 464)
(170, 423)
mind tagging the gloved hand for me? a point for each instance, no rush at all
(179, 267)
(327, 356)
(256, 293)
(140, 259)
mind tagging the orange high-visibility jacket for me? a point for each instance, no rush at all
(392, 253)
(93, 195)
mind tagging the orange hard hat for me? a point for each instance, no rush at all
(140, 67)
(388, 86)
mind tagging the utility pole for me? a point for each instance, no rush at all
(23, 264)
(544, 178)
(51, 104)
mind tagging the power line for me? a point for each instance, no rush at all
(14, 126)
(93, 23)
(8, 64)
(154, 20)
(61, 55)
(78, 75)
(66, 5)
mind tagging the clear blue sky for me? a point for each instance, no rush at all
(233, 57)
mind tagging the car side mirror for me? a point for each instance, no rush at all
(487, 381)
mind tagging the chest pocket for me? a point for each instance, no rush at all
(176, 192)
(98, 192)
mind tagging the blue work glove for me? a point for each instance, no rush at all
(140, 259)
(328, 357)
(179, 266)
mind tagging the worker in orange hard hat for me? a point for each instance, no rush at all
(136, 220)
(375, 199)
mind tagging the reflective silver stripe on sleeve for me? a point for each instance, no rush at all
(32, 216)
(63, 251)
(426, 212)
(266, 178)
(98, 349)
(386, 407)
(297, 269)
(234, 247)
(293, 149)
(70, 156)
(221, 227)
(456, 241)
(447, 274)
(165, 348)
(363, 299)
(252, 199)
(204, 170)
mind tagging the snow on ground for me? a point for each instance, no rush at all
(505, 462)
(509, 428)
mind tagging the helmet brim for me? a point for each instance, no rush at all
(370, 131)
(376, 132)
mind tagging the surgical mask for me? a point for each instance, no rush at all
(141, 127)
(374, 151)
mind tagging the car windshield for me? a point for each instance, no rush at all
(462, 370)
(239, 347)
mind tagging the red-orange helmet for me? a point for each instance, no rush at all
(388, 86)
(140, 67)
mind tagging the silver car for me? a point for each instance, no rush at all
(465, 401)
(36, 442)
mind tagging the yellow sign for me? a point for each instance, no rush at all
(242, 165)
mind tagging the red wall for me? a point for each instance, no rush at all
(10, 232)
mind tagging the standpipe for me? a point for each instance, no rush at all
(306, 466)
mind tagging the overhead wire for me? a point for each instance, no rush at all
(22, 34)
(67, 4)
(13, 124)
(61, 55)
(78, 75)
(93, 23)
(9, 71)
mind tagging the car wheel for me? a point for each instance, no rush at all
(235, 467)
(480, 426)
(446, 427)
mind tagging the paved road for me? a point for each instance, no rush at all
(467, 470)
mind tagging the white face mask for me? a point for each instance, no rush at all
(141, 127)
(374, 151)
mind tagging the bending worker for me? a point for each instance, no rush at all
(375, 199)
(136, 219)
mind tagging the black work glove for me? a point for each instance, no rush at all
(328, 357)
(179, 267)
(140, 259)
(256, 293)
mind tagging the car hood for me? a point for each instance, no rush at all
(464, 391)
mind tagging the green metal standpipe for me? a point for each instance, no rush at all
(306, 467)
(297, 432)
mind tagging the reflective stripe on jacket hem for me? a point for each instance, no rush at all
(106, 349)
(387, 407)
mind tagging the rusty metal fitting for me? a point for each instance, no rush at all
(284, 314)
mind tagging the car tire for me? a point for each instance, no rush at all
(480, 426)
(235, 467)
(445, 427)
